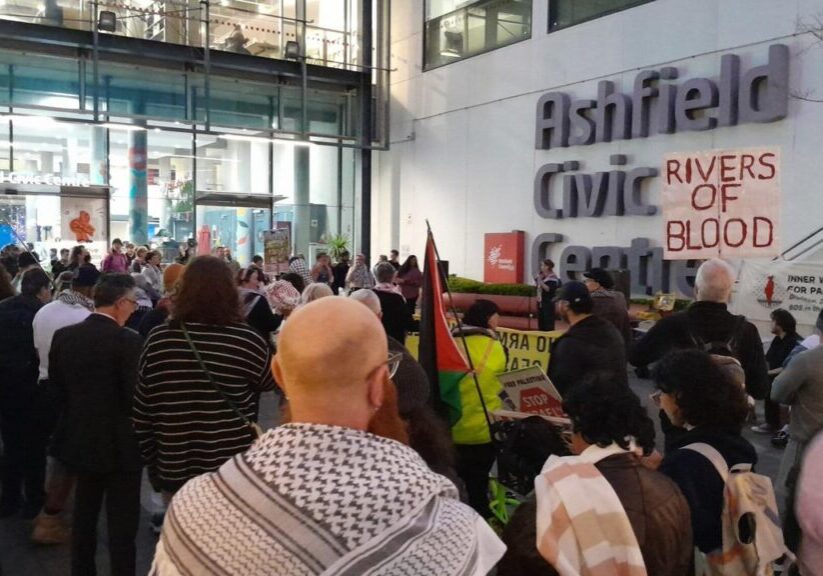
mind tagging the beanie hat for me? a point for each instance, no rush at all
(171, 274)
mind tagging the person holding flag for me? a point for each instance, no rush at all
(463, 374)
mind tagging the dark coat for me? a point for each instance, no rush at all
(18, 357)
(611, 305)
(711, 322)
(656, 509)
(262, 319)
(396, 316)
(591, 345)
(93, 367)
(701, 484)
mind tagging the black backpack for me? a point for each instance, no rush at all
(727, 347)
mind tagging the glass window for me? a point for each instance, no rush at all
(238, 228)
(232, 164)
(49, 166)
(564, 13)
(456, 30)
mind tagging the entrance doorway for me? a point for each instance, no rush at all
(232, 221)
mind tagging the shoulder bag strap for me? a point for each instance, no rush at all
(202, 364)
(713, 456)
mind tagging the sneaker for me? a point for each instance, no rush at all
(764, 429)
(781, 439)
(49, 529)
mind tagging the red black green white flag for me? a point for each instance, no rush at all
(439, 353)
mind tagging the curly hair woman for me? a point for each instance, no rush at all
(610, 429)
(697, 395)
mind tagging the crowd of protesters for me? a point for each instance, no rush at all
(139, 368)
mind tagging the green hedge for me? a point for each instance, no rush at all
(468, 286)
(465, 285)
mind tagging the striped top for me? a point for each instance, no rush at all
(184, 426)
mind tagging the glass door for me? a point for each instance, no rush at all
(232, 222)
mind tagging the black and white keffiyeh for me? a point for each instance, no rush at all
(73, 298)
(308, 499)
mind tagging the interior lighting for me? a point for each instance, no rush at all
(292, 50)
(107, 21)
(126, 127)
(283, 141)
(29, 120)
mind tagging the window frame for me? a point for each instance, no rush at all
(427, 67)
(550, 30)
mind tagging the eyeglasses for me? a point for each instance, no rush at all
(655, 397)
(132, 300)
(393, 363)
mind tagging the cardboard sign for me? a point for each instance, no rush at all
(276, 249)
(765, 286)
(527, 347)
(531, 392)
(722, 203)
(504, 255)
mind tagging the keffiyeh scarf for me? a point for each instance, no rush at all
(308, 499)
(582, 528)
(72, 298)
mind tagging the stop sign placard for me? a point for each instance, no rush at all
(538, 401)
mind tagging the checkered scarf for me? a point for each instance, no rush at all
(308, 499)
(72, 298)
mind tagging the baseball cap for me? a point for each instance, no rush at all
(601, 277)
(575, 292)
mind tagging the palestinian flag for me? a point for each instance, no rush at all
(438, 352)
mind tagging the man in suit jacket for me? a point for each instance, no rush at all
(93, 365)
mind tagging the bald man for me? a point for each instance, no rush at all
(322, 495)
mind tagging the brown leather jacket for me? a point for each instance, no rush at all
(657, 511)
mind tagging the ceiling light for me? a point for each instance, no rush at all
(126, 127)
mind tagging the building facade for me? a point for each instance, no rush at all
(164, 121)
(554, 118)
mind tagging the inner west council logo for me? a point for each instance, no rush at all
(494, 254)
(771, 293)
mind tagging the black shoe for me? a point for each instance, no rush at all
(780, 439)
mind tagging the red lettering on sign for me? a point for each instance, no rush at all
(768, 225)
(705, 175)
(675, 231)
(705, 233)
(726, 196)
(741, 232)
(769, 165)
(672, 166)
(746, 163)
(727, 167)
(704, 205)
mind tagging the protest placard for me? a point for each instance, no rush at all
(765, 286)
(722, 203)
(527, 347)
(531, 392)
(276, 248)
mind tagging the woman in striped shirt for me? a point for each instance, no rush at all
(185, 425)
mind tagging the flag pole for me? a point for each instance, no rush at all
(462, 334)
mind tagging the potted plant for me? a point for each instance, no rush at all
(337, 245)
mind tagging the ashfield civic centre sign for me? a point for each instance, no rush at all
(7, 177)
(658, 104)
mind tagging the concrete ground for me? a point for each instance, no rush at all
(19, 557)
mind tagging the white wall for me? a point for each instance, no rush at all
(462, 136)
